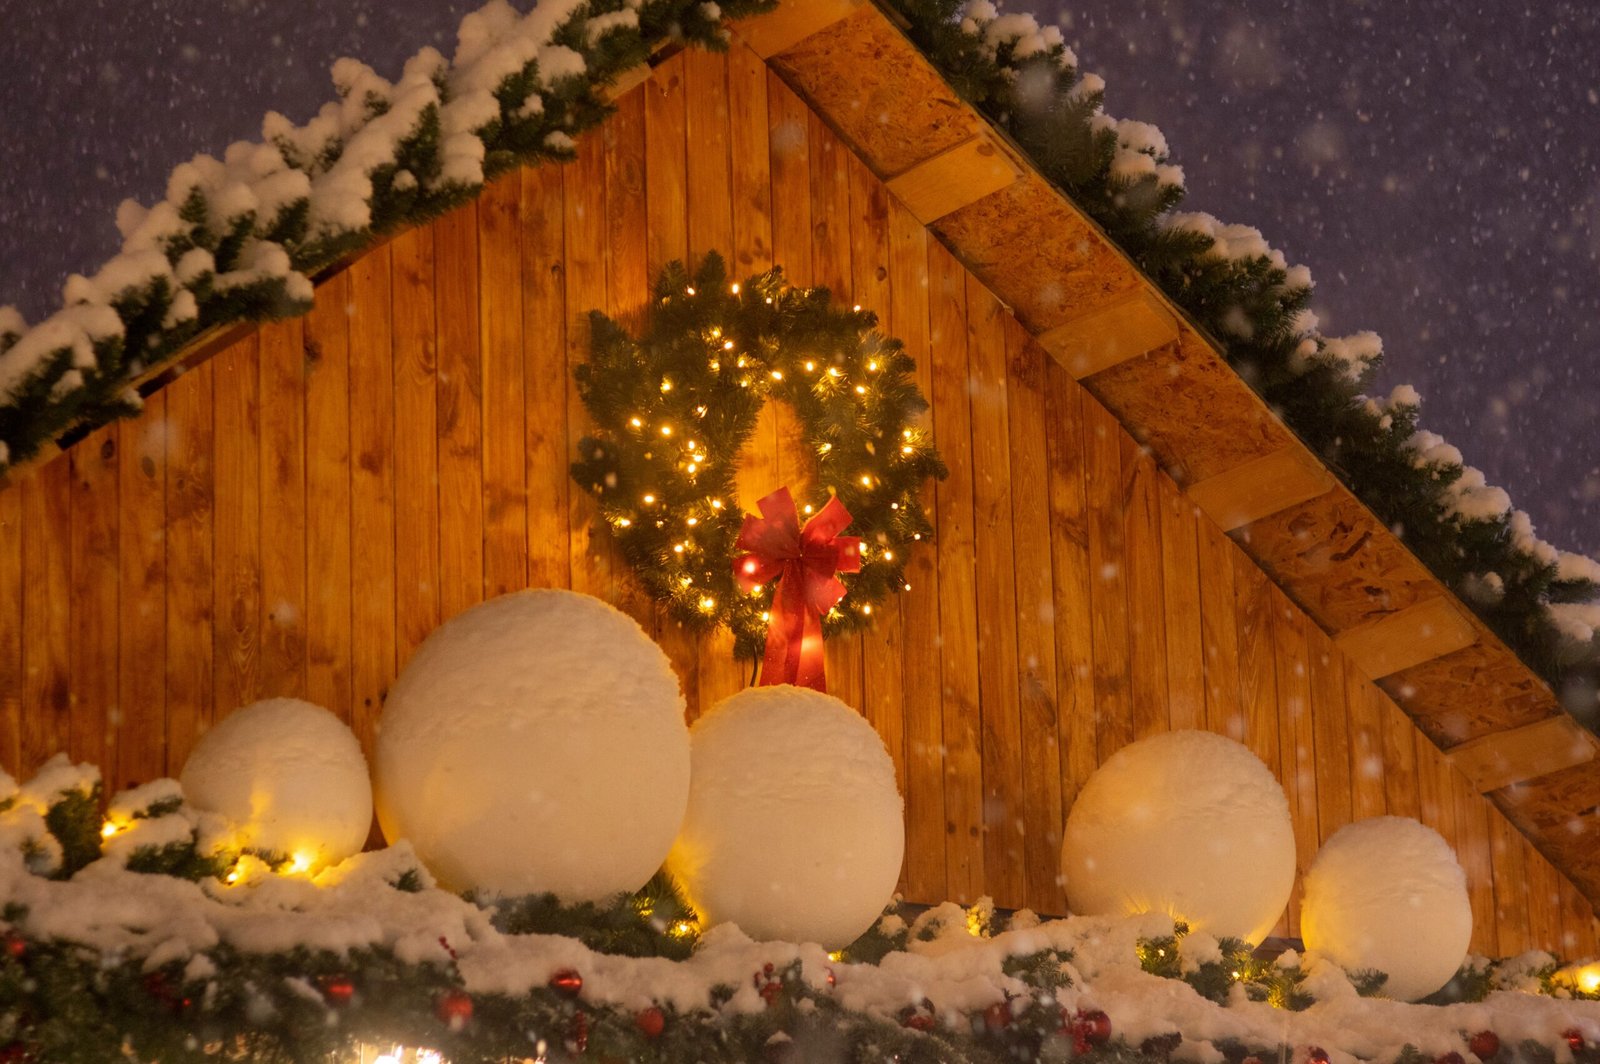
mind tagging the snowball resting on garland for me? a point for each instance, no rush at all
(1187, 823)
(795, 828)
(289, 776)
(1388, 894)
(536, 744)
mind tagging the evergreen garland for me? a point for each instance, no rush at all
(1028, 84)
(674, 410)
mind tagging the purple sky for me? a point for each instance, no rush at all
(1435, 164)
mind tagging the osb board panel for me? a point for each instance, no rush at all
(973, 658)
(1188, 406)
(878, 92)
(1037, 253)
(1561, 813)
(1337, 561)
(1471, 693)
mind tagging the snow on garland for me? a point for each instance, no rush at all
(1543, 602)
(675, 408)
(163, 943)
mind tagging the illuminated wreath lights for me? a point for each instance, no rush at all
(674, 410)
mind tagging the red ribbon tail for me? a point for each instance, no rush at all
(785, 632)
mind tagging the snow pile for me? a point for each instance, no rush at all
(1017, 37)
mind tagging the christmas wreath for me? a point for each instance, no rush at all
(674, 409)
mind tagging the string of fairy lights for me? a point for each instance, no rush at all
(674, 410)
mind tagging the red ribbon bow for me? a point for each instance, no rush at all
(803, 561)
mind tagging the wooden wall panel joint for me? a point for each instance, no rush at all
(1504, 758)
(1261, 486)
(792, 22)
(1132, 325)
(1430, 629)
(955, 178)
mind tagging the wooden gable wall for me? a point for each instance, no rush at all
(295, 515)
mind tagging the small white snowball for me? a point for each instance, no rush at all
(533, 744)
(1387, 893)
(1187, 823)
(795, 830)
(289, 776)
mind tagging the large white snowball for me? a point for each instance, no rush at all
(290, 777)
(1187, 823)
(533, 744)
(1387, 893)
(795, 829)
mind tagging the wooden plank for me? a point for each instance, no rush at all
(1510, 888)
(1219, 633)
(1544, 901)
(544, 366)
(92, 655)
(1365, 706)
(1399, 761)
(830, 268)
(1429, 629)
(1000, 706)
(416, 442)
(142, 598)
(748, 136)
(955, 178)
(1297, 752)
(584, 231)
(1503, 758)
(788, 24)
(1147, 623)
(1473, 851)
(11, 627)
(459, 388)
(283, 508)
(1108, 579)
(1133, 323)
(790, 160)
(1577, 924)
(1078, 708)
(1330, 720)
(924, 874)
(372, 490)
(1262, 486)
(1473, 692)
(190, 489)
(1035, 619)
(1180, 587)
(47, 633)
(505, 486)
(328, 632)
(665, 150)
(710, 164)
(236, 587)
(1258, 670)
(958, 630)
(1435, 802)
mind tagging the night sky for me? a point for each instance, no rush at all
(1435, 163)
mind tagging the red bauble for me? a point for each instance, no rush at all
(578, 1033)
(833, 980)
(919, 1021)
(1484, 1045)
(1317, 1055)
(1095, 1026)
(16, 946)
(338, 989)
(454, 1007)
(567, 982)
(997, 1016)
(1574, 1038)
(651, 1022)
(1451, 1057)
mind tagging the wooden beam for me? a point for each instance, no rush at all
(1430, 629)
(1261, 486)
(1133, 325)
(791, 22)
(1534, 750)
(954, 178)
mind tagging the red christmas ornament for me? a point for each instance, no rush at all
(1096, 1026)
(1451, 1057)
(454, 1008)
(338, 989)
(833, 980)
(1574, 1038)
(16, 946)
(1484, 1045)
(918, 1021)
(1317, 1055)
(651, 1022)
(578, 1033)
(567, 982)
(997, 1016)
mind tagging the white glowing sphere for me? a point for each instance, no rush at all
(534, 744)
(1187, 823)
(1388, 894)
(289, 776)
(795, 829)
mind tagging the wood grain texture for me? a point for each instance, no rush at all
(93, 658)
(328, 622)
(414, 349)
(140, 709)
(283, 513)
(236, 530)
